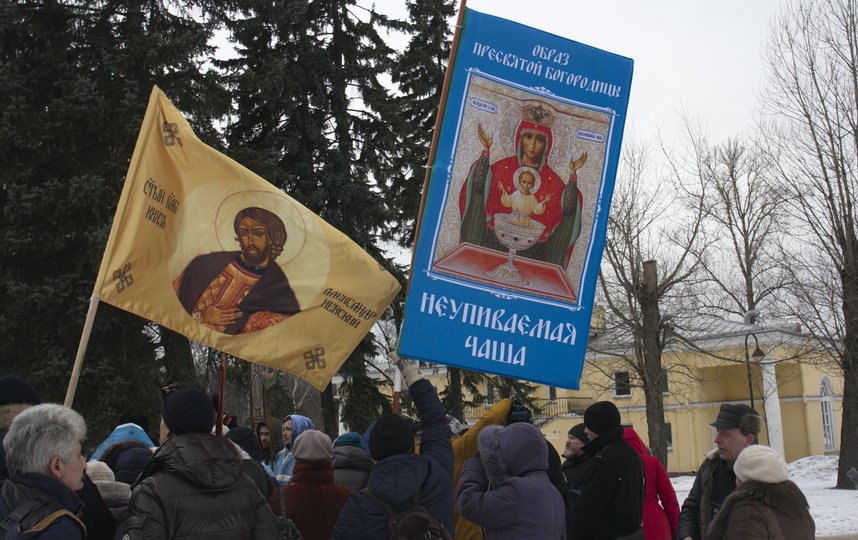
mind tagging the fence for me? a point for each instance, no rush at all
(543, 409)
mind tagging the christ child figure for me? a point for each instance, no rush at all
(523, 202)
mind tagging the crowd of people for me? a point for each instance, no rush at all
(432, 477)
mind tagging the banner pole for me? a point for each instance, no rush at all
(220, 384)
(454, 48)
(397, 389)
(81, 349)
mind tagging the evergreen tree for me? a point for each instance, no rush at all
(75, 78)
(419, 74)
(312, 117)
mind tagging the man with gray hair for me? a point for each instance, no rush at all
(45, 469)
(736, 428)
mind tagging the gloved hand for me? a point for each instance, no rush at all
(409, 369)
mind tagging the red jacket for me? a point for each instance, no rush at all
(660, 520)
(313, 500)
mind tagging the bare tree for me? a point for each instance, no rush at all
(648, 260)
(745, 221)
(813, 137)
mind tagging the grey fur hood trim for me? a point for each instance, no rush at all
(488, 445)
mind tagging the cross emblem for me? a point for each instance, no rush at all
(315, 358)
(172, 134)
(123, 278)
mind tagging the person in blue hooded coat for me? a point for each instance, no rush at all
(506, 489)
(398, 472)
(284, 462)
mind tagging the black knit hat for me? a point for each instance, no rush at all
(601, 416)
(577, 431)
(392, 434)
(188, 411)
(15, 390)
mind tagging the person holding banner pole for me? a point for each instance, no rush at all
(399, 472)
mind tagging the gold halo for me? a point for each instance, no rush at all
(537, 180)
(296, 229)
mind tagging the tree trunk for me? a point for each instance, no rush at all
(652, 370)
(849, 364)
(455, 406)
(178, 361)
(329, 412)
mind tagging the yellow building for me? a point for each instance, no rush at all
(704, 370)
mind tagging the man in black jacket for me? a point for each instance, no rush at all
(577, 461)
(611, 504)
(195, 486)
(736, 429)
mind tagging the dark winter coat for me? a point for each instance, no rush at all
(574, 471)
(312, 499)
(396, 478)
(53, 497)
(194, 487)
(715, 480)
(760, 511)
(611, 503)
(660, 519)
(507, 490)
(351, 466)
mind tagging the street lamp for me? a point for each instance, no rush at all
(757, 355)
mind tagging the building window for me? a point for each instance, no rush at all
(490, 392)
(668, 435)
(829, 433)
(663, 383)
(622, 383)
(552, 393)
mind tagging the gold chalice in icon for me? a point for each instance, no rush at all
(514, 237)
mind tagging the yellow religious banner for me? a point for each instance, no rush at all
(205, 247)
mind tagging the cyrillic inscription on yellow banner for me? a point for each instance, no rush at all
(205, 247)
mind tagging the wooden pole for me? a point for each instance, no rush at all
(81, 349)
(454, 47)
(220, 384)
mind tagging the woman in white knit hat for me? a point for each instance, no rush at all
(766, 504)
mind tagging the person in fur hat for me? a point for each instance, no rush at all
(115, 494)
(736, 428)
(766, 504)
(506, 490)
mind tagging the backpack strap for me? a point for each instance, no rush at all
(12, 522)
(18, 514)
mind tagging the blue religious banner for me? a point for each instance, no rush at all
(516, 209)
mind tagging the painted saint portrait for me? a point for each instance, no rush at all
(524, 185)
(516, 216)
(243, 291)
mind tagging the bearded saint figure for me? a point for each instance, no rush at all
(237, 292)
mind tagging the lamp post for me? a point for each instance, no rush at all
(757, 355)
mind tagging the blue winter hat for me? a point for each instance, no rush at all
(188, 411)
(15, 390)
(130, 463)
(351, 438)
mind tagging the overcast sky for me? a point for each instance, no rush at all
(705, 57)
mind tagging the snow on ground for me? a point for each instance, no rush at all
(835, 511)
